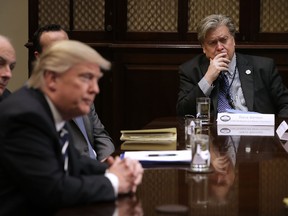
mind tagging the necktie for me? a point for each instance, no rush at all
(223, 96)
(80, 123)
(64, 141)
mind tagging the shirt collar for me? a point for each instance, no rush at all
(59, 122)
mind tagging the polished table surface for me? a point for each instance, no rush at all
(249, 177)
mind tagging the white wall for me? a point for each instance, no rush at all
(14, 25)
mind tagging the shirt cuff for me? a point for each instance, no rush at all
(205, 87)
(114, 181)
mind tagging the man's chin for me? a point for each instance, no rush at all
(85, 110)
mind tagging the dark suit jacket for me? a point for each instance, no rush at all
(32, 180)
(97, 135)
(5, 94)
(263, 89)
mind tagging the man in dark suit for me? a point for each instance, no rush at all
(92, 140)
(40, 172)
(253, 82)
(7, 64)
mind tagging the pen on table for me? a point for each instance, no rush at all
(157, 155)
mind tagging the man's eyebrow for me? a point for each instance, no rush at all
(3, 59)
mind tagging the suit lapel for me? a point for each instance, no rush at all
(47, 114)
(88, 126)
(78, 128)
(246, 79)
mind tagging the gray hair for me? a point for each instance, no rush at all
(61, 56)
(212, 22)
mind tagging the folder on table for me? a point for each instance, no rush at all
(149, 139)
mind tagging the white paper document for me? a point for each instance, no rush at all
(182, 156)
(245, 119)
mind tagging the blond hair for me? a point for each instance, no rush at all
(61, 56)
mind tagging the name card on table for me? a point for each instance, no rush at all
(282, 131)
(245, 119)
(283, 135)
(245, 130)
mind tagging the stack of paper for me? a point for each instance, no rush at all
(180, 156)
(149, 139)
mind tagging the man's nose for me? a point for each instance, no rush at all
(6, 72)
(95, 88)
(219, 45)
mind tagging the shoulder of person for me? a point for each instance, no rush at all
(254, 58)
(5, 94)
(195, 61)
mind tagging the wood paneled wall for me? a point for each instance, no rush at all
(147, 43)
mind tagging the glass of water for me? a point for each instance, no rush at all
(203, 109)
(200, 152)
(189, 130)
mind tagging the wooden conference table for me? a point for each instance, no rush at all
(249, 177)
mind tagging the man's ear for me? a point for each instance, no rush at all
(51, 79)
(203, 49)
(36, 54)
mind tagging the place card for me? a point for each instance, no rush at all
(282, 128)
(283, 134)
(245, 119)
(245, 130)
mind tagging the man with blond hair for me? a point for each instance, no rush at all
(89, 134)
(41, 171)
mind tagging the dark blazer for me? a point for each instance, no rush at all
(97, 135)
(263, 89)
(32, 179)
(5, 94)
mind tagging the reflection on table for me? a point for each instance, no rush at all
(249, 178)
(125, 205)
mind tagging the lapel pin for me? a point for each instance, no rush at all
(248, 72)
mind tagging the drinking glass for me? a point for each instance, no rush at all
(200, 151)
(203, 109)
(189, 130)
